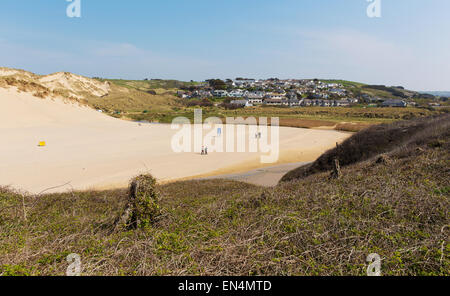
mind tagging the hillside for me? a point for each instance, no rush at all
(397, 208)
(376, 140)
(437, 93)
(63, 84)
(382, 91)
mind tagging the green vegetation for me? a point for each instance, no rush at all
(397, 208)
(143, 202)
(377, 140)
(156, 101)
(154, 84)
(133, 100)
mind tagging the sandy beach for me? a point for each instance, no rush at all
(86, 149)
(266, 176)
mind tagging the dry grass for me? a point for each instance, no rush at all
(305, 123)
(379, 139)
(353, 127)
(315, 226)
(129, 101)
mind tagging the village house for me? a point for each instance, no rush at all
(337, 91)
(394, 103)
(294, 102)
(243, 82)
(275, 96)
(236, 93)
(242, 103)
(220, 93)
(276, 102)
(255, 97)
(341, 103)
(201, 94)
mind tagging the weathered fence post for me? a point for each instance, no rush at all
(336, 174)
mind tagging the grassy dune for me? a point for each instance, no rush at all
(379, 139)
(397, 208)
(130, 101)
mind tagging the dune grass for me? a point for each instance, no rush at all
(377, 140)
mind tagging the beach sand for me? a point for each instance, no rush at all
(86, 149)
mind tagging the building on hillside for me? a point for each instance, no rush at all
(294, 102)
(236, 93)
(255, 94)
(220, 93)
(275, 96)
(243, 82)
(337, 91)
(341, 103)
(254, 100)
(201, 94)
(242, 103)
(276, 102)
(394, 103)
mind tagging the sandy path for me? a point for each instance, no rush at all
(267, 177)
(88, 150)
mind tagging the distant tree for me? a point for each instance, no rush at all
(230, 106)
(310, 96)
(217, 84)
(201, 103)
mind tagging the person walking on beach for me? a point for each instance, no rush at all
(203, 150)
(206, 150)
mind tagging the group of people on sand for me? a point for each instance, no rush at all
(204, 150)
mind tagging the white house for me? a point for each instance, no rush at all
(245, 103)
(237, 93)
(220, 93)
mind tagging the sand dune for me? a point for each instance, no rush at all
(89, 150)
(69, 84)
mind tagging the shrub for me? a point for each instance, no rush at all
(145, 200)
(201, 103)
(143, 203)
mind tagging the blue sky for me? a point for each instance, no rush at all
(198, 39)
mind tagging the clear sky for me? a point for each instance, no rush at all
(200, 39)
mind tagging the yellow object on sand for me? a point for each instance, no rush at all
(42, 144)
